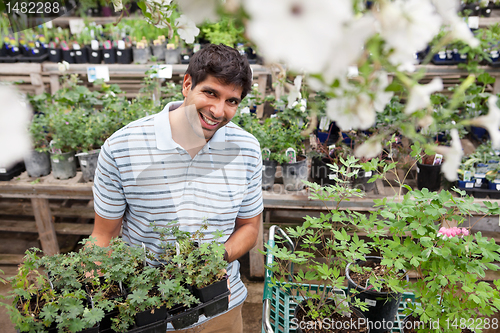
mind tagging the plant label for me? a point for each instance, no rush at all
(292, 155)
(324, 123)
(3, 170)
(368, 174)
(98, 72)
(84, 163)
(370, 302)
(469, 185)
(94, 44)
(438, 158)
(266, 154)
(467, 176)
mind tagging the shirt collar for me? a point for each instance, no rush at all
(163, 131)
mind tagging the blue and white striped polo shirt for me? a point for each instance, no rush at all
(146, 177)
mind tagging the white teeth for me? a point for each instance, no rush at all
(208, 121)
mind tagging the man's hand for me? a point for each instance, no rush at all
(228, 286)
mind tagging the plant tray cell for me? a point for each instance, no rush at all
(158, 327)
(146, 317)
(209, 292)
(216, 308)
(283, 306)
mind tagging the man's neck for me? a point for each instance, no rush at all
(182, 129)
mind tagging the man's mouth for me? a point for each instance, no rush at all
(209, 122)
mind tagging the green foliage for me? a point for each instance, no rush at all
(223, 32)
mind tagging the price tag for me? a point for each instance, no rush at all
(98, 72)
(95, 54)
(3, 170)
(370, 302)
(470, 185)
(55, 160)
(106, 55)
(78, 53)
(53, 52)
(84, 163)
(368, 174)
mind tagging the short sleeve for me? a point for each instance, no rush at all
(252, 204)
(109, 198)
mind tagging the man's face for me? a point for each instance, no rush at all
(215, 103)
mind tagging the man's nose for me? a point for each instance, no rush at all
(217, 110)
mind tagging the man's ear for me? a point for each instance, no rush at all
(186, 84)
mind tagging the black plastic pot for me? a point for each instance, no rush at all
(95, 56)
(13, 171)
(150, 316)
(94, 329)
(382, 306)
(428, 176)
(361, 181)
(109, 55)
(55, 55)
(124, 56)
(210, 292)
(68, 56)
(216, 307)
(321, 172)
(82, 55)
(294, 173)
(268, 173)
(187, 317)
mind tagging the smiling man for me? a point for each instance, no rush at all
(189, 163)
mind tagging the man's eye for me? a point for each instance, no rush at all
(210, 93)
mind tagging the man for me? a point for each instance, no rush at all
(188, 164)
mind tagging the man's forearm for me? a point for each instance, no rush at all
(243, 238)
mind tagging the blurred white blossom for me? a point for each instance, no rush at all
(303, 34)
(382, 97)
(420, 95)
(452, 156)
(63, 67)
(199, 10)
(368, 149)
(186, 29)
(491, 122)
(351, 111)
(448, 10)
(118, 5)
(407, 27)
(14, 121)
(294, 93)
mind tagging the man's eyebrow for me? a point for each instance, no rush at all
(208, 88)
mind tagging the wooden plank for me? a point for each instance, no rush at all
(262, 81)
(60, 228)
(257, 269)
(27, 209)
(11, 259)
(54, 83)
(20, 68)
(45, 226)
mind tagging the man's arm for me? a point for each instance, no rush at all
(105, 230)
(243, 238)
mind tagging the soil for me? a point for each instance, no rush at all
(34, 306)
(362, 277)
(336, 323)
(428, 159)
(113, 291)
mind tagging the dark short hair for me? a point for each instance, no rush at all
(222, 62)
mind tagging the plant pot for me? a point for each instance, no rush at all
(294, 174)
(88, 164)
(55, 55)
(173, 56)
(94, 329)
(124, 56)
(37, 164)
(95, 56)
(321, 172)
(82, 55)
(208, 293)
(63, 165)
(141, 56)
(148, 317)
(159, 51)
(382, 306)
(349, 320)
(7, 174)
(216, 307)
(428, 176)
(268, 173)
(184, 318)
(109, 55)
(68, 56)
(361, 181)
(185, 59)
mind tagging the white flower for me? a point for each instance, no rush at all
(351, 112)
(426, 121)
(382, 97)
(118, 5)
(452, 156)
(294, 93)
(160, 3)
(368, 149)
(186, 29)
(63, 67)
(407, 27)
(491, 122)
(420, 95)
(448, 10)
(303, 34)
(199, 10)
(14, 120)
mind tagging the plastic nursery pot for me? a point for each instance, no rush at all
(428, 176)
(37, 164)
(210, 292)
(321, 172)
(355, 322)
(294, 173)
(361, 181)
(184, 317)
(124, 56)
(268, 173)
(159, 51)
(141, 56)
(55, 55)
(68, 56)
(150, 316)
(109, 55)
(173, 56)
(82, 55)
(382, 306)
(95, 56)
(88, 164)
(106, 322)
(63, 165)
